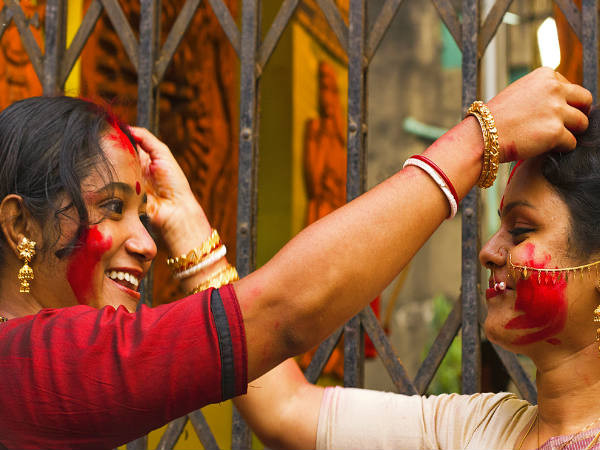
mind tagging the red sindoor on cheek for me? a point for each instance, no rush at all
(80, 270)
(542, 300)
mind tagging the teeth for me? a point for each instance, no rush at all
(115, 275)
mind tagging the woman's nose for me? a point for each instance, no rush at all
(141, 243)
(494, 252)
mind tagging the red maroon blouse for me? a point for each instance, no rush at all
(80, 377)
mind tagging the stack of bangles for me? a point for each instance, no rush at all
(491, 157)
(203, 257)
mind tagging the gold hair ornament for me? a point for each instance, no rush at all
(26, 253)
(553, 276)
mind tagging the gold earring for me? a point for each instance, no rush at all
(26, 253)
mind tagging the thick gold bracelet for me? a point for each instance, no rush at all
(491, 152)
(224, 276)
(194, 256)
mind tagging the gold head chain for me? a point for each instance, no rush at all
(553, 276)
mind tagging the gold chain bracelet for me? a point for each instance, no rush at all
(491, 152)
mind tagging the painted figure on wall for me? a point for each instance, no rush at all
(325, 150)
(325, 174)
(18, 79)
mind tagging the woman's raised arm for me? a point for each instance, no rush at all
(333, 268)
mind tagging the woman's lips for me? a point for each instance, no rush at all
(131, 292)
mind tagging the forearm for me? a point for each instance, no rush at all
(333, 268)
(282, 408)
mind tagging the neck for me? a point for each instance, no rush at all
(568, 392)
(14, 303)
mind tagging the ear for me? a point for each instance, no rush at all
(17, 222)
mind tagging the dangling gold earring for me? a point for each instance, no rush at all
(26, 253)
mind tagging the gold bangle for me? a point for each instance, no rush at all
(195, 255)
(224, 276)
(491, 152)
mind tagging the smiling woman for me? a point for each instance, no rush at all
(84, 369)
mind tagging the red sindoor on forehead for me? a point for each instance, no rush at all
(512, 173)
(121, 139)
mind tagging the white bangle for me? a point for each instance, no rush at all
(438, 180)
(208, 261)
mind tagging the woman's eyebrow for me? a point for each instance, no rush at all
(512, 205)
(116, 186)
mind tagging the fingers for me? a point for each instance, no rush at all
(565, 142)
(578, 97)
(149, 143)
(575, 120)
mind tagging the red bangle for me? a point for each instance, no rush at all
(440, 172)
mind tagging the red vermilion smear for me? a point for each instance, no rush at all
(511, 151)
(117, 136)
(92, 245)
(543, 304)
(138, 188)
(512, 173)
(553, 341)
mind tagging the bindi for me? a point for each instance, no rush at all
(138, 187)
(80, 269)
(541, 301)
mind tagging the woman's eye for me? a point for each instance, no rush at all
(520, 231)
(114, 206)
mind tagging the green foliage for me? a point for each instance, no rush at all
(447, 378)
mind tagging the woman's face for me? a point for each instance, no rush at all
(535, 232)
(114, 254)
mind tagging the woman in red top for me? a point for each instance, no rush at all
(81, 369)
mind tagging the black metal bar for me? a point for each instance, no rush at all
(5, 19)
(203, 430)
(573, 15)
(227, 23)
(322, 355)
(336, 22)
(382, 24)
(147, 89)
(54, 42)
(176, 35)
(589, 33)
(517, 374)
(138, 444)
(491, 24)
(450, 19)
(471, 354)
(27, 38)
(281, 20)
(172, 433)
(438, 349)
(81, 37)
(123, 29)
(385, 351)
(355, 183)
(247, 169)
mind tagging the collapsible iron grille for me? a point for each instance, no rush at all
(151, 62)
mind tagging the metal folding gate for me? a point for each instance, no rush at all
(151, 61)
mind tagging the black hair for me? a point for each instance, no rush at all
(575, 176)
(48, 145)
